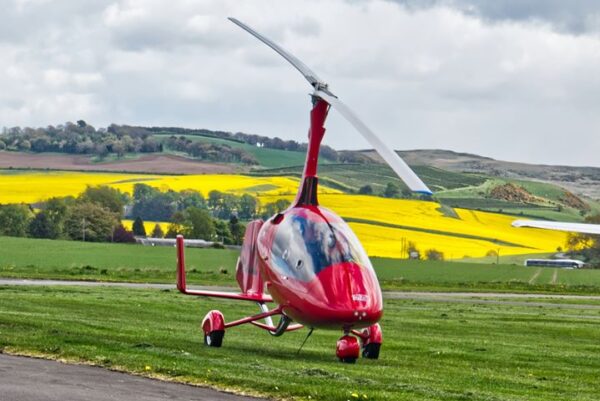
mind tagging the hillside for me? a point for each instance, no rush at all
(459, 180)
(579, 180)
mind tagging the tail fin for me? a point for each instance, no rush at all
(181, 286)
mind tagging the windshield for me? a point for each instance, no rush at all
(303, 247)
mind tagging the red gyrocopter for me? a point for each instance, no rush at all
(308, 259)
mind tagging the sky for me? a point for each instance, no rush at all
(515, 80)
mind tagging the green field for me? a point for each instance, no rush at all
(72, 260)
(431, 350)
(354, 176)
(268, 158)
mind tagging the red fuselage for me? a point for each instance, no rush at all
(315, 267)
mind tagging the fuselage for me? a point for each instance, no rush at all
(315, 267)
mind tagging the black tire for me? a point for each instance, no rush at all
(371, 351)
(214, 338)
(348, 360)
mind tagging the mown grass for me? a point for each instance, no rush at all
(71, 260)
(431, 351)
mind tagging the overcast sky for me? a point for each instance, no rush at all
(515, 80)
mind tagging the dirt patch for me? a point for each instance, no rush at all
(512, 193)
(153, 163)
(574, 201)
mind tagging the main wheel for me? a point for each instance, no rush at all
(213, 327)
(348, 360)
(214, 338)
(371, 351)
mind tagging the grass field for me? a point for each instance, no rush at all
(378, 176)
(54, 259)
(268, 158)
(431, 350)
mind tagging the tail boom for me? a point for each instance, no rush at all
(182, 286)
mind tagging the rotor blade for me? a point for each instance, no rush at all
(310, 76)
(559, 226)
(391, 158)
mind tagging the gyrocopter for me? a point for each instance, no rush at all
(306, 257)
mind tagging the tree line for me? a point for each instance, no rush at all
(83, 138)
(96, 215)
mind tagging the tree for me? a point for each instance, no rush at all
(237, 229)
(143, 191)
(223, 205)
(138, 227)
(248, 207)
(586, 245)
(199, 224)
(177, 225)
(90, 222)
(56, 210)
(366, 190)
(24, 145)
(105, 196)
(270, 209)
(222, 232)
(157, 232)
(413, 251)
(190, 198)
(43, 226)
(14, 220)
(434, 254)
(151, 204)
(391, 190)
(2, 145)
(121, 234)
(214, 199)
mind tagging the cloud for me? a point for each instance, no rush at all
(576, 16)
(469, 76)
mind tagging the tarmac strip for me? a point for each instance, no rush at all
(32, 379)
(459, 297)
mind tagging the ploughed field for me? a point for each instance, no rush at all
(549, 350)
(72, 260)
(383, 225)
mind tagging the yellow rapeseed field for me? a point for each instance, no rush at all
(472, 233)
(148, 225)
(31, 187)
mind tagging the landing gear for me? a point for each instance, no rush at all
(347, 349)
(371, 351)
(213, 327)
(371, 339)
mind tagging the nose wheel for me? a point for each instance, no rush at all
(347, 349)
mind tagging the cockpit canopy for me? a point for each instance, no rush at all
(307, 242)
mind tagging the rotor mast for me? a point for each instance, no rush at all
(307, 193)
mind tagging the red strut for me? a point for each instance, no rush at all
(307, 194)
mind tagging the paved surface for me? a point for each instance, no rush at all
(30, 379)
(436, 296)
